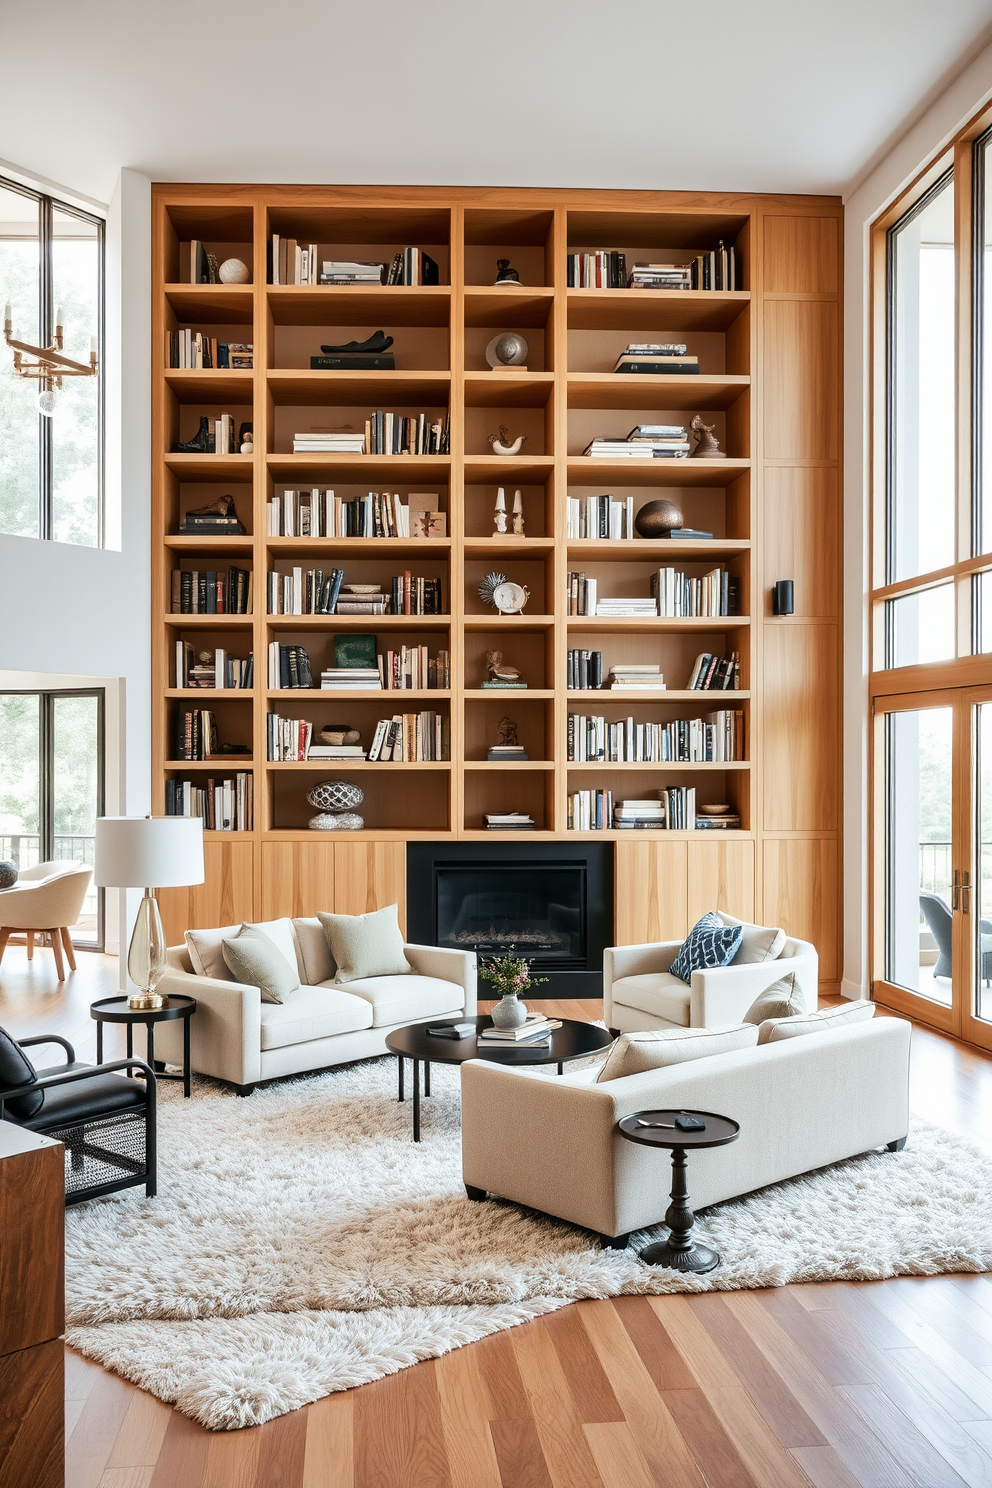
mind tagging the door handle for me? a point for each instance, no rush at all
(966, 898)
(956, 890)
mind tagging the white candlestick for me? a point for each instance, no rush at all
(8, 311)
(518, 502)
(94, 346)
(58, 317)
(501, 499)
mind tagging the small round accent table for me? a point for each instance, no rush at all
(116, 1010)
(679, 1251)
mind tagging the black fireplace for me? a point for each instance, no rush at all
(552, 903)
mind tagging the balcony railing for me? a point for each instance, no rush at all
(24, 848)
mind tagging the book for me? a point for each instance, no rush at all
(355, 362)
(536, 1023)
(355, 651)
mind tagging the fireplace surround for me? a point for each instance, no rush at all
(552, 903)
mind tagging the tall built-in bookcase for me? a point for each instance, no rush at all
(769, 355)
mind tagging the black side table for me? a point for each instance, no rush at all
(116, 1010)
(678, 1251)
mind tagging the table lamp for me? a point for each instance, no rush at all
(134, 852)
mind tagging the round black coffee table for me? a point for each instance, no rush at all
(116, 1010)
(573, 1040)
(678, 1251)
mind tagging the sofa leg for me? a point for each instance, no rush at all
(896, 1146)
(243, 1090)
(477, 1195)
(615, 1242)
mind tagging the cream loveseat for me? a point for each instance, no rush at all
(640, 993)
(236, 1036)
(552, 1142)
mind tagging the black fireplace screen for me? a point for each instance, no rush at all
(501, 910)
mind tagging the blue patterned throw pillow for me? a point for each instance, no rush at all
(709, 943)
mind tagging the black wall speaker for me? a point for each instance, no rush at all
(783, 598)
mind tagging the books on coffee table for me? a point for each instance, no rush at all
(537, 1026)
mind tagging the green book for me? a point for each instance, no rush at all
(504, 684)
(354, 650)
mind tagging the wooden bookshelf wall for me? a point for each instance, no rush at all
(770, 381)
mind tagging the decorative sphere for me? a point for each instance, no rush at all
(336, 795)
(233, 271)
(657, 517)
(507, 350)
(345, 821)
(8, 874)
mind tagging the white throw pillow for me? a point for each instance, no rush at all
(633, 1053)
(824, 1021)
(206, 947)
(783, 999)
(758, 943)
(368, 945)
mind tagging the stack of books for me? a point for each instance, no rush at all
(351, 271)
(338, 678)
(336, 752)
(536, 1031)
(354, 361)
(328, 442)
(647, 357)
(292, 263)
(680, 594)
(506, 753)
(220, 671)
(638, 608)
(686, 534)
(585, 670)
(600, 516)
(711, 673)
(411, 736)
(660, 276)
(223, 805)
(363, 604)
(590, 811)
(639, 815)
(211, 524)
(639, 677)
(509, 821)
(289, 666)
(603, 269)
(413, 266)
(644, 442)
(727, 821)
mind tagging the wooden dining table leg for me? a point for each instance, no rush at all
(30, 940)
(70, 953)
(4, 937)
(57, 950)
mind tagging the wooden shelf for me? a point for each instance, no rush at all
(209, 304)
(620, 390)
(584, 470)
(651, 624)
(229, 762)
(492, 305)
(359, 468)
(358, 304)
(290, 385)
(639, 549)
(323, 765)
(496, 621)
(211, 622)
(216, 385)
(508, 764)
(180, 543)
(484, 693)
(223, 468)
(355, 694)
(508, 389)
(667, 695)
(520, 470)
(505, 544)
(356, 547)
(704, 766)
(359, 622)
(232, 694)
(654, 309)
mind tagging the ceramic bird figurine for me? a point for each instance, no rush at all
(502, 445)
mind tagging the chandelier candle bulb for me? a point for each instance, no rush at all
(58, 318)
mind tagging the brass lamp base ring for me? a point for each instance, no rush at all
(143, 1001)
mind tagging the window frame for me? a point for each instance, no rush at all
(47, 206)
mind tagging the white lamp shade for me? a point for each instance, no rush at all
(158, 852)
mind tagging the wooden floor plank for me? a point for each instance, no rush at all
(927, 1467)
(89, 1447)
(518, 1452)
(505, 1393)
(142, 1432)
(618, 1458)
(825, 1469)
(569, 1460)
(398, 1435)
(703, 1433)
(472, 1460)
(281, 1451)
(590, 1389)
(931, 1342)
(769, 1463)
(700, 1352)
(232, 1458)
(183, 1457)
(659, 1355)
(127, 1477)
(329, 1460)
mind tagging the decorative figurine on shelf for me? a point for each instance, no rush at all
(212, 270)
(339, 734)
(499, 514)
(507, 352)
(502, 444)
(508, 747)
(509, 598)
(202, 442)
(500, 673)
(246, 439)
(707, 445)
(518, 514)
(373, 345)
(504, 274)
(656, 518)
(334, 800)
(233, 271)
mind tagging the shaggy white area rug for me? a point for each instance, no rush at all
(300, 1243)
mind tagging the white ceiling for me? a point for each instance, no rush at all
(751, 95)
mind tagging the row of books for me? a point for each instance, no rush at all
(717, 738)
(600, 516)
(714, 269)
(212, 592)
(287, 739)
(320, 513)
(652, 358)
(223, 805)
(288, 666)
(683, 595)
(673, 811)
(192, 351)
(385, 434)
(292, 263)
(712, 673)
(589, 811)
(644, 442)
(409, 737)
(584, 670)
(196, 735)
(412, 667)
(218, 670)
(203, 268)
(297, 593)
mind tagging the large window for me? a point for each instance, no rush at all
(51, 468)
(51, 786)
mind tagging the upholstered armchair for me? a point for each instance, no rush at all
(640, 993)
(48, 897)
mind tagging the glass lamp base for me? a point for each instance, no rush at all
(146, 960)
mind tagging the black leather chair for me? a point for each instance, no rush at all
(105, 1120)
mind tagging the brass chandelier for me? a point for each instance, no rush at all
(48, 364)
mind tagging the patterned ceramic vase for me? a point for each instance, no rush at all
(509, 1012)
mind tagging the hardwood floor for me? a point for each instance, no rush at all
(883, 1384)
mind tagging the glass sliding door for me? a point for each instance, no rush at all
(51, 787)
(978, 1016)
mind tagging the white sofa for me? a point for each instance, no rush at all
(552, 1143)
(640, 994)
(235, 1036)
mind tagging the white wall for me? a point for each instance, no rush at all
(969, 92)
(84, 613)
